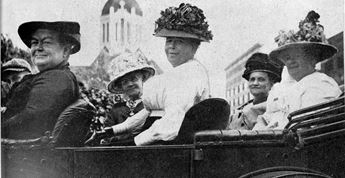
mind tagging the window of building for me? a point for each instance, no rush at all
(122, 30)
(116, 31)
(107, 32)
(238, 89)
(128, 32)
(103, 33)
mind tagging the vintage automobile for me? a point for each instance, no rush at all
(311, 145)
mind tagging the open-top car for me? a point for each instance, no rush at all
(311, 145)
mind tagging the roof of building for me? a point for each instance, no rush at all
(250, 50)
(116, 4)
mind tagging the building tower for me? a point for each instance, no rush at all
(121, 24)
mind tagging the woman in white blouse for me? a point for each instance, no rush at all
(299, 52)
(173, 93)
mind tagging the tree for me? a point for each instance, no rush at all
(9, 51)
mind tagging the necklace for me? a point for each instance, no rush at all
(131, 105)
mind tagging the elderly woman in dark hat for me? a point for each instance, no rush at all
(37, 101)
(261, 73)
(173, 93)
(300, 52)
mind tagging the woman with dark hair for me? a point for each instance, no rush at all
(261, 74)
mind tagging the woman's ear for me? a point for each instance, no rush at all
(67, 50)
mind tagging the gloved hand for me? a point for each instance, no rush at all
(98, 135)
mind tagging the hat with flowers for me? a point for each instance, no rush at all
(185, 21)
(310, 37)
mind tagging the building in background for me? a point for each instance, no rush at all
(237, 91)
(121, 24)
(334, 67)
(120, 31)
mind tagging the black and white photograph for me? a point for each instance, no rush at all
(172, 88)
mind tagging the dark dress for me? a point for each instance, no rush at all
(120, 112)
(36, 103)
(5, 91)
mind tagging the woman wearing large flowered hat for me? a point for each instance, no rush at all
(173, 93)
(300, 52)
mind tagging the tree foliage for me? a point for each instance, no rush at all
(9, 51)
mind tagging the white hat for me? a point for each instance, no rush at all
(125, 64)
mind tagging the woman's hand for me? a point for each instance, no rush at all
(3, 109)
(98, 135)
(261, 123)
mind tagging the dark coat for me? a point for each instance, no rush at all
(120, 112)
(36, 103)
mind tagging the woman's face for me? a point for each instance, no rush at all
(298, 63)
(132, 85)
(259, 84)
(46, 50)
(179, 50)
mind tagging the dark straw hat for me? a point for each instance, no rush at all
(15, 65)
(310, 38)
(70, 30)
(185, 21)
(259, 62)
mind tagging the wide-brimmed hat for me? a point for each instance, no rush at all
(185, 21)
(15, 65)
(127, 63)
(260, 62)
(70, 30)
(310, 38)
